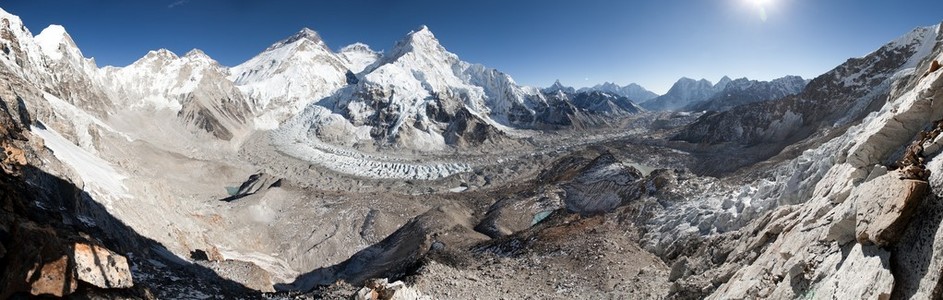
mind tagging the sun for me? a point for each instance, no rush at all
(761, 6)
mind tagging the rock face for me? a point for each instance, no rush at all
(885, 207)
(863, 275)
(256, 183)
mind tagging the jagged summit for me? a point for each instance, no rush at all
(558, 87)
(421, 39)
(159, 54)
(722, 82)
(197, 54)
(305, 34)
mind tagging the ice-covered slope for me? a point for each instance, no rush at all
(289, 75)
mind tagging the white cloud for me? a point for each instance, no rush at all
(178, 3)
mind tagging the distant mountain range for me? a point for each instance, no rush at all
(697, 95)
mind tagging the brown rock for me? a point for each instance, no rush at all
(885, 207)
(14, 156)
(214, 255)
(30, 269)
(54, 278)
(101, 267)
(934, 66)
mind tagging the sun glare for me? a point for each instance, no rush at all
(760, 6)
(760, 2)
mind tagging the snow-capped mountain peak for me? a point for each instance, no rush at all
(305, 34)
(357, 47)
(197, 56)
(558, 87)
(157, 55)
(20, 51)
(358, 56)
(55, 42)
(722, 83)
(288, 75)
(419, 40)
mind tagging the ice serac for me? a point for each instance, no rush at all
(290, 74)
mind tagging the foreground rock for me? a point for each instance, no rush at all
(885, 207)
(381, 289)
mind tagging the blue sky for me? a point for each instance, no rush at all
(581, 42)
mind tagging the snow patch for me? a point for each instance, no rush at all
(100, 178)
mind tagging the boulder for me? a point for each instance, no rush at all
(101, 267)
(256, 183)
(381, 289)
(885, 206)
(47, 263)
(934, 66)
(54, 278)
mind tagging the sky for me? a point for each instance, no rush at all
(581, 43)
